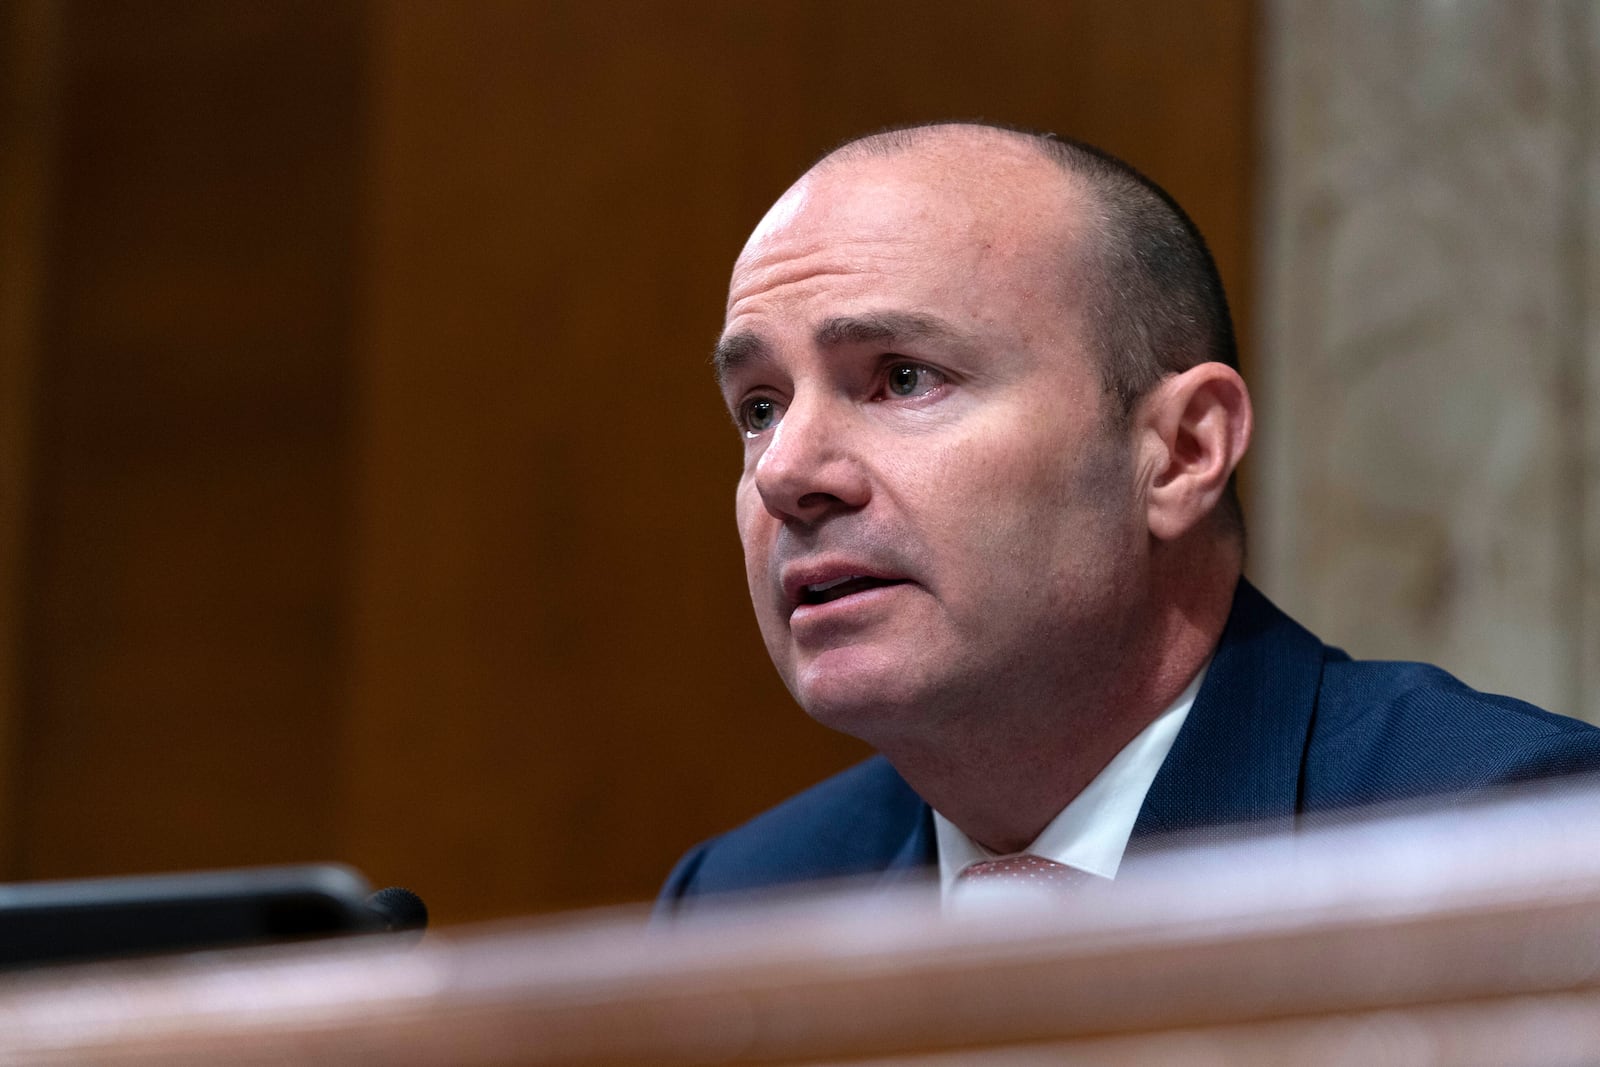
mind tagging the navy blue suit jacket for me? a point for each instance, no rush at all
(1282, 727)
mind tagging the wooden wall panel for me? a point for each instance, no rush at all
(183, 627)
(27, 125)
(380, 502)
(557, 682)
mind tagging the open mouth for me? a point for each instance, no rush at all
(823, 592)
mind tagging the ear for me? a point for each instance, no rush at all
(1193, 428)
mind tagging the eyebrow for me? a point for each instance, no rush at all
(884, 327)
(893, 328)
(738, 350)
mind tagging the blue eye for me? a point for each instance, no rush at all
(911, 379)
(758, 414)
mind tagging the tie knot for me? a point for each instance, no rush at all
(1024, 870)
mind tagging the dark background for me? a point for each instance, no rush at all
(365, 492)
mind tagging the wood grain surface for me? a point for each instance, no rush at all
(378, 502)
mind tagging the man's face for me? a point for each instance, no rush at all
(938, 515)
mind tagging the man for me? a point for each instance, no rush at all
(988, 396)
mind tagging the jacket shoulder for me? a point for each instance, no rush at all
(851, 824)
(1389, 731)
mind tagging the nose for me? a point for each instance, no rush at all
(811, 468)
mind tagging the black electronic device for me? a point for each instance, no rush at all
(103, 918)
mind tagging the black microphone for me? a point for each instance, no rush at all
(398, 910)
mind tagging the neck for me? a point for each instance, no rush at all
(1003, 771)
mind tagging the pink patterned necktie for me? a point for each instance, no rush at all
(1024, 871)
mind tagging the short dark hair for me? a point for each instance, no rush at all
(1157, 306)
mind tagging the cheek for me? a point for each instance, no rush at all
(756, 533)
(747, 516)
(987, 484)
(1026, 508)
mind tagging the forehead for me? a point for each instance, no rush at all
(995, 230)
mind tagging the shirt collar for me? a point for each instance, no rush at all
(1091, 833)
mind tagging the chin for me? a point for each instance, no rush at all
(864, 705)
(877, 686)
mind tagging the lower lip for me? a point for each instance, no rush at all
(845, 609)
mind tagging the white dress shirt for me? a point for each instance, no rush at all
(1091, 833)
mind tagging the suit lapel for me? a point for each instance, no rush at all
(1239, 755)
(918, 852)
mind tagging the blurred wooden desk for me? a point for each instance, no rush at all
(1462, 938)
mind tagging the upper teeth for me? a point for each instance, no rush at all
(823, 587)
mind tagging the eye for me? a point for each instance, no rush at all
(758, 414)
(912, 379)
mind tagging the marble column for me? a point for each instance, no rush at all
(1427, 373)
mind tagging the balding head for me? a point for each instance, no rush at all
(1160, 307)
(1156, 305)
(957, 522)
